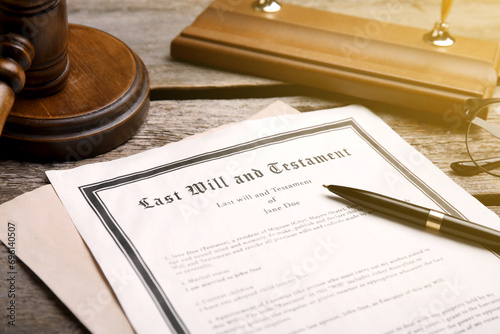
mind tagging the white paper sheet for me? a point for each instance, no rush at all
(234, 233)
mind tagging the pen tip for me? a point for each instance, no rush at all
(333, 188)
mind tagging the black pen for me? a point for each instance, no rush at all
(419, 215)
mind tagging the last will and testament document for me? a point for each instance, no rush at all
(233, 232)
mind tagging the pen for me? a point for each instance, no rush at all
(419, 215)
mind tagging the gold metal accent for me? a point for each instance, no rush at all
(445, 9)
(268, 6)
(434, 220)
(440, 35)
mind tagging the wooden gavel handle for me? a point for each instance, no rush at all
(6, 103)
(16, 54)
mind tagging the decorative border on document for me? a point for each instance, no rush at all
(91, 194)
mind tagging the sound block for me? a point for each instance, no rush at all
(104, 102)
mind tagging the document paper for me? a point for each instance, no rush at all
(232, 232)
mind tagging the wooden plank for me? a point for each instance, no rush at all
(148, 28)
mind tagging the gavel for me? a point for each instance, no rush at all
(33, 50)
(80, 91)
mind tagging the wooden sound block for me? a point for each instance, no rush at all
(104, 102)
(369, 59)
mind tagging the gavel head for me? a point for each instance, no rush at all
(45, 24)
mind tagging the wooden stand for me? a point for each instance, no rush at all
(368, 59)
(104, 101)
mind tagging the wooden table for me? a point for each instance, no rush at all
(189, 99)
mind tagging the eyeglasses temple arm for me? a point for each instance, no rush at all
(493, 129)
(477, 104)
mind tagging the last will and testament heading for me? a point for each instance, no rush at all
(221, 182)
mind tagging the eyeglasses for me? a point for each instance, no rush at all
(482, 140)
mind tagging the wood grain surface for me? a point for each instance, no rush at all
(190, 99)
